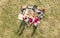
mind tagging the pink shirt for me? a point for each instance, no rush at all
(36, 21)
(30, 20)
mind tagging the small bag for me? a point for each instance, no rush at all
(20, 16)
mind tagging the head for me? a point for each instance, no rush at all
(43, 10)
(34, 7)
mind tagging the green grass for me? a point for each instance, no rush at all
(9, 23)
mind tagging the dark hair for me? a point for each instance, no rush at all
(35, 7)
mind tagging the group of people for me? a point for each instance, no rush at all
(32, 15)
(35, 16)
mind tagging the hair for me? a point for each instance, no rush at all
(35, 6)
(43, 10)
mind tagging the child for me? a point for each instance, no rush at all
(35, 24)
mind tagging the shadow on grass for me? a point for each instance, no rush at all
(21, 27)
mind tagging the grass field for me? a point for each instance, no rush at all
(48, 28)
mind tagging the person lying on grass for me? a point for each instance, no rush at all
(32, 16)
